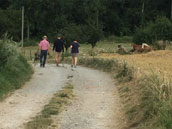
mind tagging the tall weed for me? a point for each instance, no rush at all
(158, 99)
(13, 66)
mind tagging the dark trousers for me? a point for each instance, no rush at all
(44, 56)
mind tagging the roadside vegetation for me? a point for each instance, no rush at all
(15, 70)
(146, 98)
(45, 118)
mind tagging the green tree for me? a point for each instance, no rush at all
(94, 35)
(9, 23)
(73, 32)
(161, 29)
(4, 4)
(114, 17)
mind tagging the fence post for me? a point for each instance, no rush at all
(24, 52)
(30, 54)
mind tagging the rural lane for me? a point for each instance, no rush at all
(96, 104)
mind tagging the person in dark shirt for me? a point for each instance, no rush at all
(75, 52)
(58, 47)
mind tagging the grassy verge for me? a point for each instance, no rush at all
(15, 70)
(13, 75)
(147, 99)
(55, 106)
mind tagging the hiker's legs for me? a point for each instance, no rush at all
(72, 59)
(45, 57)
(41, 58)
(75, 60)
(58, 58)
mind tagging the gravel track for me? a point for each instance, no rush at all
(96, 104)
(29, 100)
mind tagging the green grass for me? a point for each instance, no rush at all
(15, 70)
(13, 75)
(120, 69)
(157, 100)
(103, 47)
(55, 106)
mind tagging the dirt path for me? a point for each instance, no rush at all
(28, 101)
(96, 105)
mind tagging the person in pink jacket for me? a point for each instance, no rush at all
(44, 47)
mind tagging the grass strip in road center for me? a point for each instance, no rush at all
(55, 106)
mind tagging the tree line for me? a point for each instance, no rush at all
(86, 20)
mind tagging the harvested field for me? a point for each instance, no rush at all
(156, 61)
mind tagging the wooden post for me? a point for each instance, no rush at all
(22, 33)
(30, 54)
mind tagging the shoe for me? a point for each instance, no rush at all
(57, 64)
(44, 65)
(41, 65)
(72, 66)
(75, 66)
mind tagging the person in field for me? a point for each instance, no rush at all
(145, 45)
(75, 52)
(121, 50)
(59, 48)
(44, 47)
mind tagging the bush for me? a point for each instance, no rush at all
(82, 33)
(73, 31)
(94, 34)
(161, 29)
(10, 22)
(14, 68)
(141, 36)
(6, 51)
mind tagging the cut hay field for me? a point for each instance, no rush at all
(159, 62)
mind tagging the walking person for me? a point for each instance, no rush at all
(75, 52)
(44, 47)
(58, 47)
